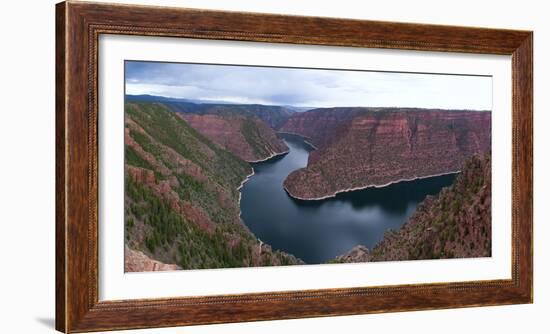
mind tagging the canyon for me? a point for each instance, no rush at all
(274, 116)
(182, 198)
(318, 231)
(373, 147)
(456, 223)
(249, 138)
(186, 164)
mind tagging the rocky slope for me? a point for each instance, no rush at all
(136, 261)
(274, 116)
(249, 138)
(357, 254)
(454, 224)
(361, 147)
(182, 198)
(320, 125)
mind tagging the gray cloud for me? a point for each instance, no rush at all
(307, 87)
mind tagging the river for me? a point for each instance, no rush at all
(318, 231)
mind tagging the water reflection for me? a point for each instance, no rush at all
(317, 231)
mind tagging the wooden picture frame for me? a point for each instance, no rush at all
(78, 26)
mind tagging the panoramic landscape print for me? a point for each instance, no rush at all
(232, 166)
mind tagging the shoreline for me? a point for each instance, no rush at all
(247, 229)
(241, 194)
(366, 187)
(273, 155)
(304, 138)
(239, 188)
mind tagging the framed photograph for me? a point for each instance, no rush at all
(223, 167)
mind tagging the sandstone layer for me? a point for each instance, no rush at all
(274, 116)
(249, 138)
(364, 147)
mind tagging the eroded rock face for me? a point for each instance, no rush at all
(182, 198)
(249, 138)
(361, 147)
(321, 125)
(136, 261)
(357, 254)
(456, 223)
(274, 116)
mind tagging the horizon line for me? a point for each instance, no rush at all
(296, 106)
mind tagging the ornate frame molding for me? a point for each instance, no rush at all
(78, 27)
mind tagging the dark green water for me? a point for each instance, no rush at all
(318, 231)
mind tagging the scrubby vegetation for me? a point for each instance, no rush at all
(254, 138)
(171, 131)
(192, 247)
(181, 197)
(454, 224)
(275, 116)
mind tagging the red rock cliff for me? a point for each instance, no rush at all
(374, 147)
(456, 223)
(319, 125)
(249, 138)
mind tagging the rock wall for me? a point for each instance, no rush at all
(454, 224)
(136, 261)
(249, 138)
(362, 147)
(182, 198)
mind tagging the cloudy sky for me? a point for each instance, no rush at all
(308, 87)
